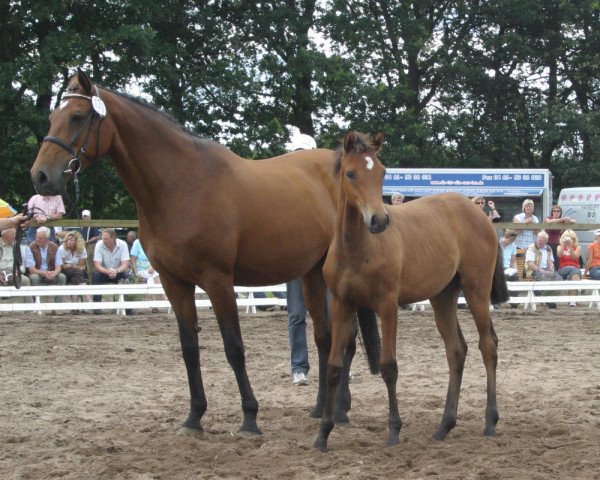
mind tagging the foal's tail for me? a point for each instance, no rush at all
(367, 322)
(499, 288)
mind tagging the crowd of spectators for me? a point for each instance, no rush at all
(86, 255)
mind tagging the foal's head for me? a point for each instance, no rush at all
(362, 178)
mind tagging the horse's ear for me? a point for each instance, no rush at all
(350, 141)
(84, 82)
(378, 140)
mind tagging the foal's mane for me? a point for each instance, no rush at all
(363, 143)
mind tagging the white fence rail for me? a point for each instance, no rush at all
(40, 298)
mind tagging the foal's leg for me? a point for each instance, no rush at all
(343, 319)
(389, 366)
(181, 296)
(222, 296)
(315, 298)
(479, 304)
(446, 320)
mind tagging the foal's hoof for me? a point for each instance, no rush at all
(341, 418)
(194, 432)
(489, 431)
(316, 412)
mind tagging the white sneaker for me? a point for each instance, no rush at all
(573, 304)
(299, 379)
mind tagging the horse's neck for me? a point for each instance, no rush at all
(150, 150)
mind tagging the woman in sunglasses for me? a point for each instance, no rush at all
(556, 216)
(490, 210)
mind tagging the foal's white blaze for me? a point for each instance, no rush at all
(370, 163)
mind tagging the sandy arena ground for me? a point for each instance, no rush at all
(88, 397)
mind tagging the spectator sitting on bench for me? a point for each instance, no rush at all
(7, 258)
(539, 261)
(569, 256)
(111, 261)
(592, 263)
(42, 262)
(509, 252)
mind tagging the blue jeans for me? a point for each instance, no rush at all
(595, 273)
(297, 327)
(568, 272)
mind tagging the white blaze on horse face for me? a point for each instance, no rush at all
(63, 104)
(370, 163)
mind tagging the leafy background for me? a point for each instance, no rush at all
(500, 83)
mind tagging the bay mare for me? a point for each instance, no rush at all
(382, 256)
(209, 218)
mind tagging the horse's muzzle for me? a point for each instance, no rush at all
(46, 184)
(379, 224)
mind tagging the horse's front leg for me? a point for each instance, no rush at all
(223, 300)
(342, 329)
(181, 296)
(389, 367)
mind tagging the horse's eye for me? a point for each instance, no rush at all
(77, 118)
(350, 174)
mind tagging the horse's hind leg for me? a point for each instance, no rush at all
(223, 300)
(181, 296)
(479, 304)
(444, 310)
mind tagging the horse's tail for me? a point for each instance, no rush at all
(499, 287)
(367, 322)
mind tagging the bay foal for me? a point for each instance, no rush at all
(382, 256)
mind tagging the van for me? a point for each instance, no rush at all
(583, 205)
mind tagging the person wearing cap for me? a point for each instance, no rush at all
(397, 198)
(509, 252)
(295, 299)
(592, 263)
(526, 236)
(90, 236)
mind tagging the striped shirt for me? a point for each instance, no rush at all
(48, 205)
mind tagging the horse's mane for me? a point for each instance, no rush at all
(167, 116)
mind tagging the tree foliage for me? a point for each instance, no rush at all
(500, 83)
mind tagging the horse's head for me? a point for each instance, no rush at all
(75, 138)
(362, 179)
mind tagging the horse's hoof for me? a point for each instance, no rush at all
(321, 444)
(183, 430)
(249, 431)
(489, 431)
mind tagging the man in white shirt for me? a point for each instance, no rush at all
(111, 261)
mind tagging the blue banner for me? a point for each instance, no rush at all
(470, 182)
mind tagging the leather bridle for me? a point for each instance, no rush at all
(96, 113)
